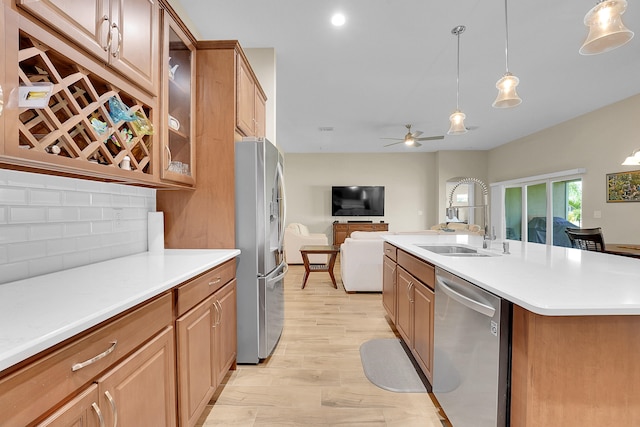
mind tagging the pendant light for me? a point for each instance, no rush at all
(633, 159)
(507, 95)
(606, 30)
(457, 118)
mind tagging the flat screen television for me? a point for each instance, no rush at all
(357, 201)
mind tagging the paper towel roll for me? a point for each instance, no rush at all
(155, 231)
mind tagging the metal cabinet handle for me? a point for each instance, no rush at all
(215, 281)
(215, 321)
(168, 155)
(98, 412)
(409, 286)
(94, 359)
(219, 312)
(112, 402)
(114, 26)
(107, 42)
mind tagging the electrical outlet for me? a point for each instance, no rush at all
(597, 214)
(118, 218)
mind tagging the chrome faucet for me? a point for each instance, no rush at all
(488, 235)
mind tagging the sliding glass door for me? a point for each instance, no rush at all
(541, 211)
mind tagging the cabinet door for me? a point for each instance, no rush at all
(225, 332)
(86, 22)
(422, 347)
(389, 287)
(135, 34)
(261, 115)
(140, 391)
(404, 314)
(246, 95)
(195, 355)
(81, 411)
(178, 156)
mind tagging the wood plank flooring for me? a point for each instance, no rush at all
(315, 377)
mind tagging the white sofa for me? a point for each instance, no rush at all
(297, 235)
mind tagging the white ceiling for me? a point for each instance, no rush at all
(394, 62)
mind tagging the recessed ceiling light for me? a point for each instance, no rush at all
(338, 19)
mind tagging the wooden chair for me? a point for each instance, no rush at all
(587, 239)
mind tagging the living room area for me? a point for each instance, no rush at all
(416, 182)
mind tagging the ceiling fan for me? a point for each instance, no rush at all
(411, 138)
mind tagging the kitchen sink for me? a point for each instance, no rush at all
(454, 251)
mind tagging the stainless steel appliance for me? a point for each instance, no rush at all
(471, 353)
(260, 212)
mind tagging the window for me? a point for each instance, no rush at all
(538, 209)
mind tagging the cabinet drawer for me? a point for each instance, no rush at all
(422, 270)
(391, 251)
(194, 291)
(35, 389)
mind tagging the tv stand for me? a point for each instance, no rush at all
(342, 230)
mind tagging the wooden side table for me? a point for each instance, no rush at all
(332, 251)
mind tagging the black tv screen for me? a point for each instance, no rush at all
(357, 201)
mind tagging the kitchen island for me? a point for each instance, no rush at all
(574, 330)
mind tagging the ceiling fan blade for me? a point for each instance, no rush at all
(395, 139)
(393, 143)
(416, 133)
(430, 138)
(416, 144)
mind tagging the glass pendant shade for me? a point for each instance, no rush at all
(633, 159)
(507, 95)
(606, 30)
(457, 123)
(409, 141)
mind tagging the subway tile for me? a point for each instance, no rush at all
(13, 196)
(101, 199)
(72, 229)
(89, 214)
(62, 214)
(23, 251)
(88, 242)
(27, 214)
(39, 197)
(26, 179)
(101, 254)
(76, 198)
(59, 182)
(14, 271)
(101, 227)
(76, 259)
(119, 200)
(40, 266)
(14, 233)
(3, 254)
(3, 215)
(61, 246)
(45, 231)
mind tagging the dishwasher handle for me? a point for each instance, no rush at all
(485, 309)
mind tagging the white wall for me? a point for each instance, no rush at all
(50, 223)
(598, 141)
(410, 187)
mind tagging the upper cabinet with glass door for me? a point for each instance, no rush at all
(122, 33)
(178, 157)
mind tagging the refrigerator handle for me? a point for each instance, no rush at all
(281, 275)
(283, 220)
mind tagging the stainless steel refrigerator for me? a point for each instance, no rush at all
(260, 212)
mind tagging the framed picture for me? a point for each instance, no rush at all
(623, 187)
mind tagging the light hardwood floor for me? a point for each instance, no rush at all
(315, 377)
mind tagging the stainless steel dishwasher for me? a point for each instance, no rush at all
(471, 353)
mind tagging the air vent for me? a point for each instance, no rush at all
(325, 128)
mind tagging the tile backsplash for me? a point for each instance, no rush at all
(51, 223)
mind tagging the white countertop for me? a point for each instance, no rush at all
(547, 280)
(42, 311)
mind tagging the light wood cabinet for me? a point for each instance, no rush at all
(122, 33)
(414, 298)
(389, 268)
(141, 390)
(205, 217)
(82, 411)
(77, 132)
(37, 388)
(206, 338)
(178, 155)
(342, 230)
(250, 115)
